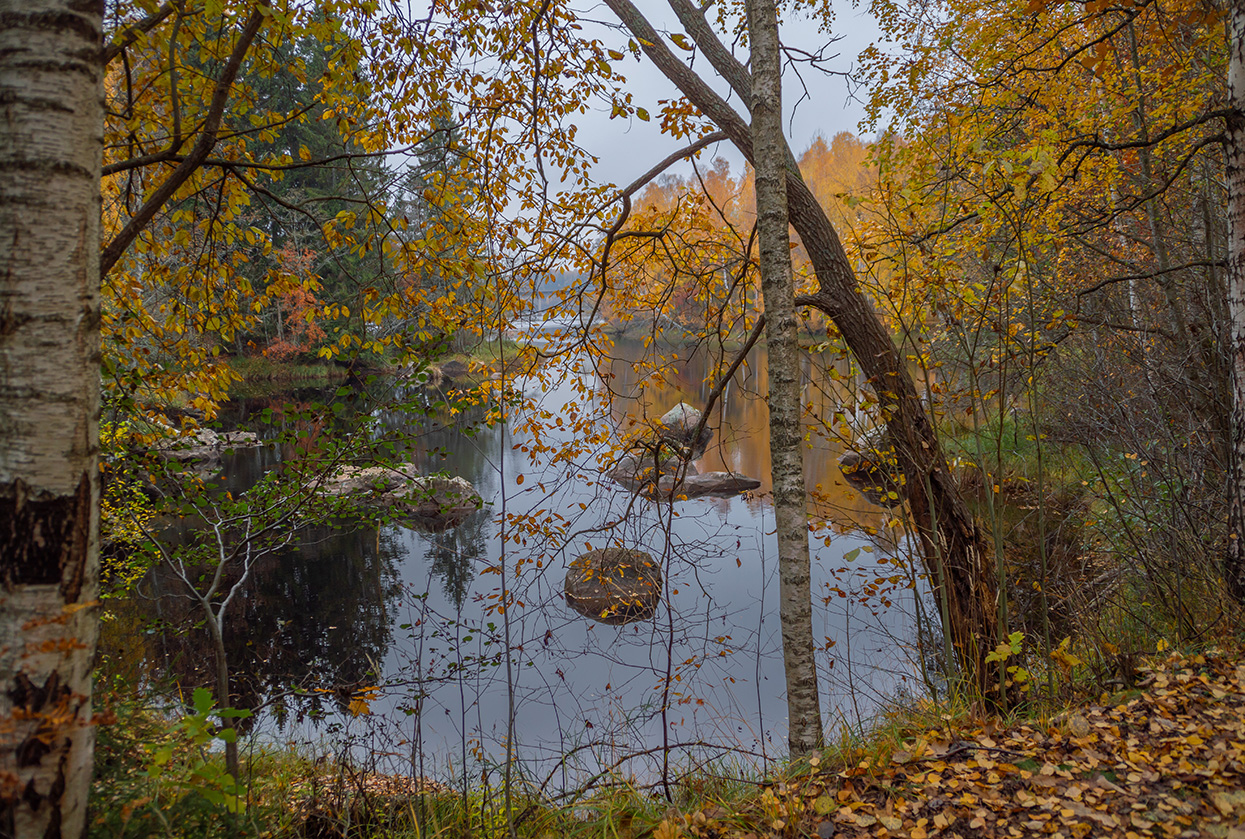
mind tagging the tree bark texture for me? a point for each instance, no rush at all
(786, 438)
(1234, 561)
(51, 143)
(952, 545)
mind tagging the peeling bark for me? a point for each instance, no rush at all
(50, 149)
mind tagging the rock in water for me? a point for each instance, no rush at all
(614, 586)
(871, 477)
(432, 502)
(206, 444)
(651, 462)
(639, 470)
(454, 369)
(723, 484)
(679, 424)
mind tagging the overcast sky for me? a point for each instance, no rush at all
(627, 149)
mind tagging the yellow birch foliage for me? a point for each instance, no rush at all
(1035, 149)
(184, 289)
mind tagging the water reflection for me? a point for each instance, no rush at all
(424, 616)
(314, 620)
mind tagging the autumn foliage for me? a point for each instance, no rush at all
(298, 332)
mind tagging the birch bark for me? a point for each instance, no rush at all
(769, 150)
(1234, 561)
(50, 149)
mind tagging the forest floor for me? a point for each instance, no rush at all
(1165, 760)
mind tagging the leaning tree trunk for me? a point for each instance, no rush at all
(786, 438)
(50, 149)
(952, 546)
(1234, 561)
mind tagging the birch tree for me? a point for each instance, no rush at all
(1235, 561)
(961, 570)
(786, 429)
(50, 148)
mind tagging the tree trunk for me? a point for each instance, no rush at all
(1234, 562)
(224, 699)
(956, 559)
(50, 149)
(786, 439)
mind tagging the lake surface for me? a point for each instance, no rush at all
(409, 624)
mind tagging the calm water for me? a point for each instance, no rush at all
(410, 620)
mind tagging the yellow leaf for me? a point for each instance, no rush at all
(667, 830)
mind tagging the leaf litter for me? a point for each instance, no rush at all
(1167, 760)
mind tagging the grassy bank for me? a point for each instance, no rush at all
(1163, 756)
(257, 369)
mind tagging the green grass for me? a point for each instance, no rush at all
(489, 351)
(259, 368)
(288, 793)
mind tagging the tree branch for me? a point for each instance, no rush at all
(202, 148)
(130, 34)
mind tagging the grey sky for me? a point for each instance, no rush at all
(628, 148)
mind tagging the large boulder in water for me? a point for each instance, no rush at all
(614, 585)
(201, 451)
(206, 444)
(454, 371)
(423, 502)
(653, 462)
(679, 424)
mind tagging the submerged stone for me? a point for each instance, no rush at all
(723, 484)
(614, 586)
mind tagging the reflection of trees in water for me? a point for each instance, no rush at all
(314, 618)
(831, 394)
(453, 553)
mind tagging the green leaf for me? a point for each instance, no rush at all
(203, 700)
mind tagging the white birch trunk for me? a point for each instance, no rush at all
(785, 428)
(1234, 562)
(50, 148)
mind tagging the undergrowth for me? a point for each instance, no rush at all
(158, 773)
